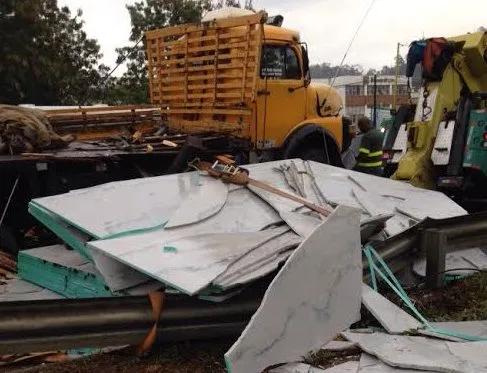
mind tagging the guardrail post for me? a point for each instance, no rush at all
(434, 245)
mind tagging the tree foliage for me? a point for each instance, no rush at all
(328, 71)
(45, 56)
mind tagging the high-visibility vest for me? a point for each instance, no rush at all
(370, 151)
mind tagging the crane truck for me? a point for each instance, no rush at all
(442, 141)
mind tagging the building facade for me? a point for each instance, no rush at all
(357, 93)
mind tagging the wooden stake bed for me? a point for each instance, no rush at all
(203, 76)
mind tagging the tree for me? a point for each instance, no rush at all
(327, 71)
(45, 56)
(132, 86)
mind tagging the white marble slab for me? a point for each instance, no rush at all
(257, 271)
(424, 353)
(268, 250)
(348, 367)
(111, 208)
(118, 276)
(390, 316)
(464, 259)
(58, 254)
(17, 290)
(339, 346)
(431, 203)
(191, 263)
(314, 296)
(302, 224)
(471, 328)
(370, 364)
(296, 368)
(203, 200)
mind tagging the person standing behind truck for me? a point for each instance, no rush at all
(369, 159)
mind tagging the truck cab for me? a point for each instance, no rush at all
(247, 78)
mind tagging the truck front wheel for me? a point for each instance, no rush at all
(323, 153)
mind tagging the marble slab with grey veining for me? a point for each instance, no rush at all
(314, 296)
(121, 206)
(348, 367)
(370, 364)
(203, 200)
(267, 250)
(191, 263)
(465, 261)
(302, 224)
(257, 271)
(423, 353)
(390, 316)
(117, 275)
(17, 290)
(471, 328)
(339, 346)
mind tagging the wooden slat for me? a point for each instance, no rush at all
(209, 37)
(207, 48)
(257, 18)
(165, 63)
(244, 112)
(204, 95)
(88, 109)
(207, 68)
(192, 87)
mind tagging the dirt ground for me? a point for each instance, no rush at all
(461, 300)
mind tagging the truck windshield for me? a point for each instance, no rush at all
(279, 62)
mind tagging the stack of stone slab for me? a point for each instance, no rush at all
(192, 234)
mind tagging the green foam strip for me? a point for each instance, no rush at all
(59, 229)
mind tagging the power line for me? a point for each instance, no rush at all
(348, 49)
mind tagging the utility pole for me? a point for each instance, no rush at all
(394, 102)
(375, 101)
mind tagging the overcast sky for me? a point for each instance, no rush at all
(326, 25)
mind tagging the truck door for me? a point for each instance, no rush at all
(281, 96)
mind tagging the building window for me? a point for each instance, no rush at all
(279, 62)
(354, 90)
(402, 89)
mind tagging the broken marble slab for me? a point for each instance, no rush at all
(376, 205)
(302, 224)
(267, 251)
(123, 205)
(191, 263)
(339, 346)
(348, 367)
(117, 276)
(257, 271)
(476, 329)
(463, 260)
(431, 203)
(203, 200)
(390, 316)
(370, 364)
(423, 353)
(17, 290)
(147, 248)
(292, 321)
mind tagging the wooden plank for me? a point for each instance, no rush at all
(245, 112)
(165, 63)
(247, 52)
(207, 68)
(216, 57)
(205, 95)
(202, 104)
(257, 18)
(233, 34)
(207, 48)
(235, 75)
(191, 87)
(89, 109)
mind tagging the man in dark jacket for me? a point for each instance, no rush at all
(369, 159)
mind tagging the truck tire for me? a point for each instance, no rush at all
(318, 153)
(8, 243)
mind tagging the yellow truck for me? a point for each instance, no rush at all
(248, 79)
